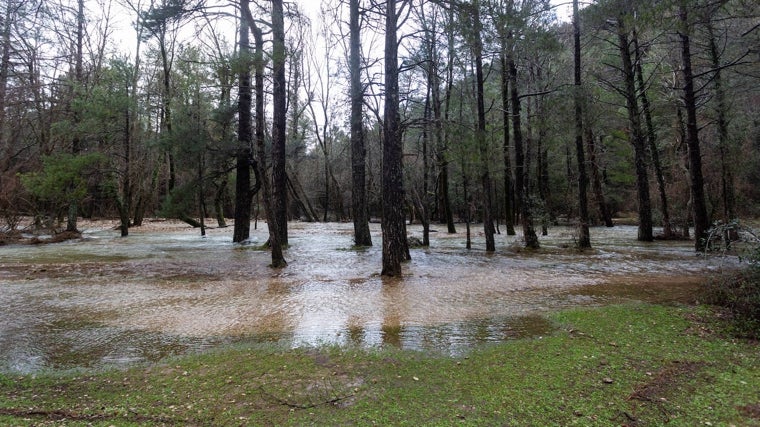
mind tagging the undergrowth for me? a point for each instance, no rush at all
(738, 292)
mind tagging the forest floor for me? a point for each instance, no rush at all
(633, 364)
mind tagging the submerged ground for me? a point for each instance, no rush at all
(165, 290)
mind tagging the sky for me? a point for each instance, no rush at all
(125, 37)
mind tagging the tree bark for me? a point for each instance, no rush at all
(422, 202)
(480, 134)
(71, 221)
(395, 247)
(509, 192)
(667, 228)
(133, 196)
(443, 160)
(201, 194)
(699, 207)
(244, 151)
(596, 180)
(636, 134)
(359, 210)
(260, 166)
(221, 189)
(300, 197)
(124, 201)
(522, 193)
(721, 121)
(5, 65)
(683, 151)
(279, 122)
(584, 237)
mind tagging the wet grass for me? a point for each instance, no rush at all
(632, 364)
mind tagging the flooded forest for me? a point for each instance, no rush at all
(180, 174)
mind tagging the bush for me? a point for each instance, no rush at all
(63, 180)
(739, 293)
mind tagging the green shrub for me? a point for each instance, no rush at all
(64, 178)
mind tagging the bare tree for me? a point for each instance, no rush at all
(321, 105)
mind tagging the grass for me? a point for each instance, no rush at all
(633, 364)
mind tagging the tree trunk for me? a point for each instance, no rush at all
(509, 192)
(279, 122)
(485, 173)
(327, 181)
(219, 203)
(637, 135)
(542, 176)
(422, 209)
(422, 202)
(721, 111)
(133, 192)
(443, 161)
(667, 228)
(359, 210)
(467, 213)
(699, 207)
(339, 207)
(683, 151)
(201, 195)
(522, 193)
(301, 199)
(394, 229)
(124, 201)
(300, 196)
(596, 180)
(584, 237)
(244, 152)
(71, 222)
(166, 112)
(260, 166)
(5, 65)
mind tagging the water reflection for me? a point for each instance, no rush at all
(107, 300)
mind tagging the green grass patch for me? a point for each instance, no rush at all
(634, 364)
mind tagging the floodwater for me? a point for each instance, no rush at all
(165, 290)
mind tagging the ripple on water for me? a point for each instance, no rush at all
(107, 300)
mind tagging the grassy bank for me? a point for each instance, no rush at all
(630, 365)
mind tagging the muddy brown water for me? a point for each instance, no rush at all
(105, 300)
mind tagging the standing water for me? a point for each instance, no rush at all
(164, 290)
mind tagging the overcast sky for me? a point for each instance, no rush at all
(124, 35)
